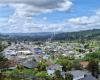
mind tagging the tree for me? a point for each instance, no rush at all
(3, 61)
(93, 67)
(66, 64)
(42, 66)
(82, 41)
(93, 56)
(57, 73)
(81, 50)
(42, 74)
(1, 47)
(76, 65)
(58, 76)
(86, 46)
(20, 67)
(68, 76)
(3, 64)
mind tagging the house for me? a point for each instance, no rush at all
(12, 64)
(99, 63)
(38, 50)
(24, 52)
(79, 75)
(49, 62)
(89, 77)
(52, 68)
(10, 54)
(29, 64)
(46, 57)
(38, 57)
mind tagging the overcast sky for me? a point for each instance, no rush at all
(22, 16)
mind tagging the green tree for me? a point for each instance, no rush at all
(93, 56)
(58, 76)
(3, 62)
(66, 64)
(68, 76)
(42, 66)
(93, 67)
(2, 47)
(86, 46)
(20, 67)
(42, 74)
(76, 65)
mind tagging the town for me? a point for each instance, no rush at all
(49, 39)
(50, 60)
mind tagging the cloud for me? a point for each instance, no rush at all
(22, 19)
(23, 24)
(86, 20)
(38, 6)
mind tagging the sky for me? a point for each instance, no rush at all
(29, 16)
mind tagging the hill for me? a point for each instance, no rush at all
(86, 34)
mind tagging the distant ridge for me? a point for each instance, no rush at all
(85, 34)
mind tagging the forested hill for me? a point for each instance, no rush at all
(86, 34)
